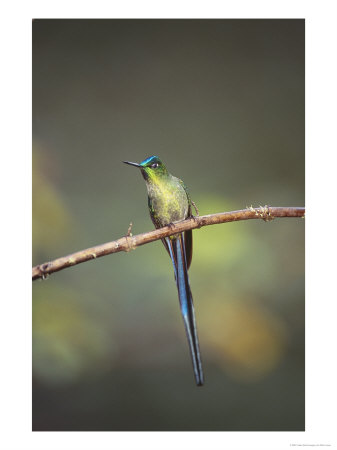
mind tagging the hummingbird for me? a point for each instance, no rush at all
(170, 202)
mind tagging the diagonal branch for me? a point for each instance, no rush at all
(130, 242)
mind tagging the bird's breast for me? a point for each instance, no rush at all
(167, 202)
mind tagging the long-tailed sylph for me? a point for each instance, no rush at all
(170, 202)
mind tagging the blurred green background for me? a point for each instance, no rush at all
(222, 103)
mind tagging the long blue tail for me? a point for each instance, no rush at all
(177, 252)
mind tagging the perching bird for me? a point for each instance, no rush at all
(170, 202)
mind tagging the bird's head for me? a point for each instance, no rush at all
(151, 168)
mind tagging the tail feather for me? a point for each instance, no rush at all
(177, 252)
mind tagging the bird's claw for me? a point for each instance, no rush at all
(196, 219)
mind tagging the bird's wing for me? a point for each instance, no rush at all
(188, 240)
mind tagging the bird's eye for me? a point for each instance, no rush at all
(154, 165)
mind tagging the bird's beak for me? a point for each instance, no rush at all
(132, 164)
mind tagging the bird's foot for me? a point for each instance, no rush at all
(171, 225)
